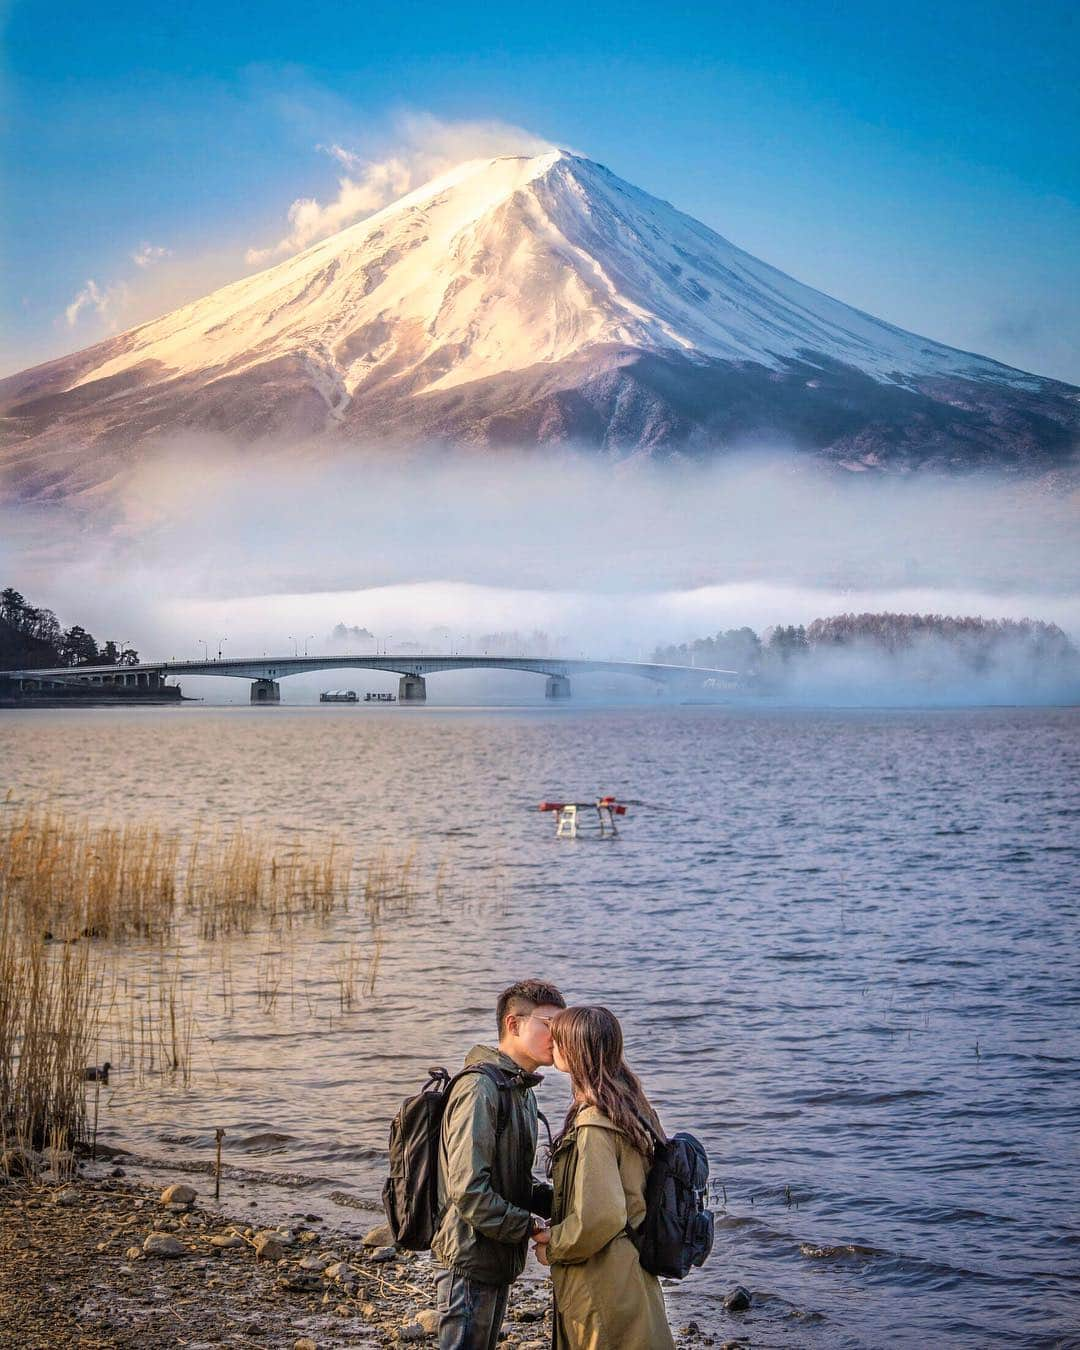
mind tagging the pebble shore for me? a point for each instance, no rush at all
(103, 1262)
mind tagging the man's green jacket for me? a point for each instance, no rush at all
(486, 1190)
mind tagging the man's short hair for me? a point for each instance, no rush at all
(523, 997)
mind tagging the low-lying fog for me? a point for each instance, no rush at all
(254, 553)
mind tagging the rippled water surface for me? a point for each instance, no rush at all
(843, 945)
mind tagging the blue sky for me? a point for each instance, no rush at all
(920, 162)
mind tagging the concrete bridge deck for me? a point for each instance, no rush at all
(266, 672)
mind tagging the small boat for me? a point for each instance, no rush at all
(371, 697)
(339, 696)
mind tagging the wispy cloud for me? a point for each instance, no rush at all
(362, 191)
(425, 148)
(146, 255)
(110, 303)
(105, 302)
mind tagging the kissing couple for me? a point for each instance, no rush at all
(489, 1205)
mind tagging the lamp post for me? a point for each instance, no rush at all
(296, 645)
(206, 650)
(220, 643)
(310, 638)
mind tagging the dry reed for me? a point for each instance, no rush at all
(68, 886)
(389, 885)
(67, 879)
(347, 973)
(237, 882)
(49, 1003)
(146, 1022)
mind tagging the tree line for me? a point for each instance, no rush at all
(34, 639)
(975, 638)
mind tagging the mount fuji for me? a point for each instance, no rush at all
(529, 301)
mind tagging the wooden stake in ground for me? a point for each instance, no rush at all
(97, 1097)
(219, 1135)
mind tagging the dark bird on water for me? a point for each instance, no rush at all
(97, 1075)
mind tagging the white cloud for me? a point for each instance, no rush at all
(104, 303)
(426, 147)
(146, 255)
(365, 191)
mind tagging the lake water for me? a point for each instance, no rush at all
(843, 945)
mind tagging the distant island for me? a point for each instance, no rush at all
(923, 653)
(33, 639)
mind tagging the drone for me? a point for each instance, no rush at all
(567, 822)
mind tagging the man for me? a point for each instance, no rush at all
(487, 1197)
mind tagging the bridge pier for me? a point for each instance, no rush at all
(558, 686)
(412, 689)
(265, 691)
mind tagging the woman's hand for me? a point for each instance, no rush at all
(540, 1245)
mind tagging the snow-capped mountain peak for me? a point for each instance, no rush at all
(537, 299)
(504, 263)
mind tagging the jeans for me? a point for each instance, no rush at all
(470, 1313)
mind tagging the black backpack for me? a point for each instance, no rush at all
(677, 1231)
(411, 1191)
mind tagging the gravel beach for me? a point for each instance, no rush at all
(96, 1262)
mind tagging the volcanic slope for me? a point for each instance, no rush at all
(524, 301)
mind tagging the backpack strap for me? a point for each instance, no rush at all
(636, 1234)
(502, 1080)
(438, 1080)
(551, 1143)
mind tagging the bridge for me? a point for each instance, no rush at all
(266, 672)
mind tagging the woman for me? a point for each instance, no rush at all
(603, 1298)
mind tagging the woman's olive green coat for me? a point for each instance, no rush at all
(603, 1298)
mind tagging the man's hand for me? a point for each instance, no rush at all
(541, 1238)
(538, 1226)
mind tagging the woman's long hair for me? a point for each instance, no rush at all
(590, 1040)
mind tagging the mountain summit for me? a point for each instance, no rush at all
(531, 300)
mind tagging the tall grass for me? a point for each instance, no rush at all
(147, 1022)
(73, 893)
(49, 1005)
(238, 881)
(356, 973)
(66, 879)
(69, 879)
(389, 884)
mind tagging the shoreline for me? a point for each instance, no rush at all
(100, 1260)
